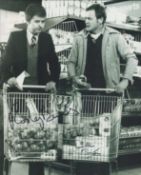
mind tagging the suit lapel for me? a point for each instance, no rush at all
(23, 49)
(40, 44)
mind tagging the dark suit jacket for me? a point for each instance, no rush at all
(15, 60)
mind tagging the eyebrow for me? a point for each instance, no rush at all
(88, 17)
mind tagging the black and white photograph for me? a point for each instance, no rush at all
(70, 87)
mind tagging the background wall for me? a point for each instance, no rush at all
(131, 7)
(7, 21)
(9, 15)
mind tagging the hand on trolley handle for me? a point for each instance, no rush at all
(12, 82)
(49, 87)
(80, 83)
(122, 86)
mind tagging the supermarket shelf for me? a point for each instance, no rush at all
(130, 136)
(128, 152)
(108, 2)
(138, 71)
(131, 114)
(125, 26)
(136, 46)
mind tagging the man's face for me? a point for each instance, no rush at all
(92, 23)
(36, 24)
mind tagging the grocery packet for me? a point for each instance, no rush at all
(20, 79)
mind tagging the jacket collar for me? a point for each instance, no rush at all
(106, 29)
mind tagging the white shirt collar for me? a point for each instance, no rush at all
(29, 36)
(95, 36)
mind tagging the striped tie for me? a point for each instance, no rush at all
(33, 40)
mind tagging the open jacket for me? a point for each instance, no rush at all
(114, 47)
(15, 59)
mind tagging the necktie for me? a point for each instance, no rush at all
(33, 40)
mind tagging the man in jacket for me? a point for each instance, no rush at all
(96, 54)
(31, 50)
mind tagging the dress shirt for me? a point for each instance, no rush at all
(29, 38)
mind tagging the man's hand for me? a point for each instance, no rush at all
(51, 86)
(122, 86)
(12, 82)
(81, 82)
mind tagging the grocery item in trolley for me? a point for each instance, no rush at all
(96, 136)
(33, 112)
(88, 147)
(20, 79)
(69, 106)
(105, 124)
(30, 126)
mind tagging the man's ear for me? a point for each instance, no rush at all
(100, 20)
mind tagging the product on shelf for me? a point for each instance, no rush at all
(130, 144)
(128, 37)
(133, 105)
(132, 131)
(133, 20)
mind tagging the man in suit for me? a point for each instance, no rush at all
(32, 50)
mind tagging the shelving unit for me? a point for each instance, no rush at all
(135, 31)
(130, 137)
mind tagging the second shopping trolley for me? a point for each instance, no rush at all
(93, 133)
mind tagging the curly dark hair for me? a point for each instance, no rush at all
(34, 9)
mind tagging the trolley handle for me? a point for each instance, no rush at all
(34, 86)
(105, 90)
(6, 86)
(96, 89)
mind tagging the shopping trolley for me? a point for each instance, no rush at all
(30, 125)
(95, 135)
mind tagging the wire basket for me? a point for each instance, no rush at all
(31, 126)
(94, 133)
